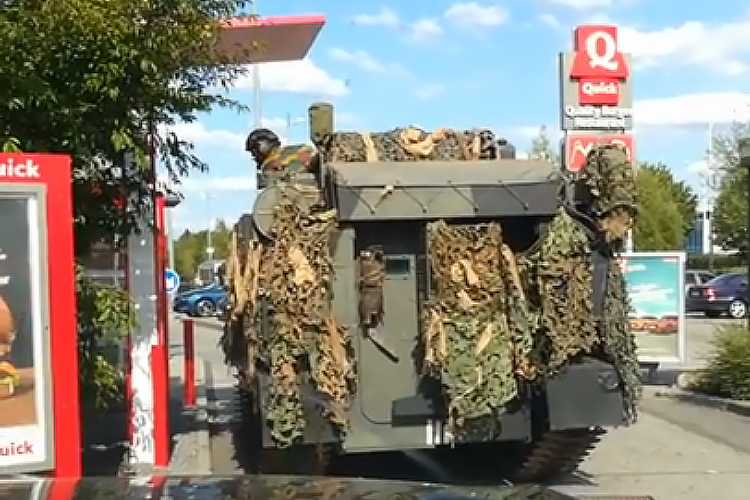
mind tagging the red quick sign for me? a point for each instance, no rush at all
(598, 65)
(598, 91)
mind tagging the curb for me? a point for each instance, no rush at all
(741, 408)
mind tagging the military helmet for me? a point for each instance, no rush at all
(260, 142)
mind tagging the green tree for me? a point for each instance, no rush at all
(542, 149)
(96, 79)
(681, 193)
(660, 223)
(190, 248)
(92, 78)
(730, 211)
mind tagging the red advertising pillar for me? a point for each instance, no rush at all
(38, 334)
(148, 376)
(160, 351)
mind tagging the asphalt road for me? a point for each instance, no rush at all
(676, 450)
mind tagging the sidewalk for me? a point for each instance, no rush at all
(191, 452)
(190, 444)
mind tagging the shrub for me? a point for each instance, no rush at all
(105, 316)
(728, 371)
(718, 262)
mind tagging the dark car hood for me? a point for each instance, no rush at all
(260, 488)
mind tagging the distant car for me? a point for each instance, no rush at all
(725, 294)
(202, 302)
(696, 277)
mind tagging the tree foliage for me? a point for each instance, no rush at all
(96, 79)
(105, 315)
(91, 78)
(190, 248)
(542, 149)
(730, 211)
(679, 191)
(660, 224)
(667, 208)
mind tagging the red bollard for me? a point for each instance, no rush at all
(189, 355)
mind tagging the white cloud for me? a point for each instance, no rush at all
(429, 90)
(425, 29)
(692, 110)
(582, 4)
(471, 14)
(528, 132)
(590, 4)
(196, 133)
(386, 17)
(296, 77)
(722, 48)
(549, 20)
(203, 183)
(599, 18)
(363, 60)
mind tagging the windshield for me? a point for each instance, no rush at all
(727, 280)
(461, 242)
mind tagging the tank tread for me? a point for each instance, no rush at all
(557, 453)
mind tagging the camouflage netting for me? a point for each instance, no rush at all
(294, 276)
(411, 144)
(471, 338)
(609, 177)
(619, 342)
(564, 277)
(491, 317)
(492, 321)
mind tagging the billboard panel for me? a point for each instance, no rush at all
(39, 420)
(26, 426)
(594, 104)
(655, 282)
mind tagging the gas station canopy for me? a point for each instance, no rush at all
(269, 39)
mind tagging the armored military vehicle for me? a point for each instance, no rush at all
(409, 290)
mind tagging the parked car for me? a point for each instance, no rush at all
(725, 294)
(695, 277)
(203, 302)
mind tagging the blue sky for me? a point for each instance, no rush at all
(493, 64)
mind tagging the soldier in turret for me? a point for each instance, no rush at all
(271, 157)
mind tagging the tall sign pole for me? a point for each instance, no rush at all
(257, 104)
(596, 97)
(744, 153)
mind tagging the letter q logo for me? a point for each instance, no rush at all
(602, 58)
(596, 53)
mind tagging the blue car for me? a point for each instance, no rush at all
(203, 302)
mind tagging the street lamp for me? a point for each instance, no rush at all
(744, 153)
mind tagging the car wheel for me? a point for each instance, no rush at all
(205, 308)
(712, 314)
(737, 309)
